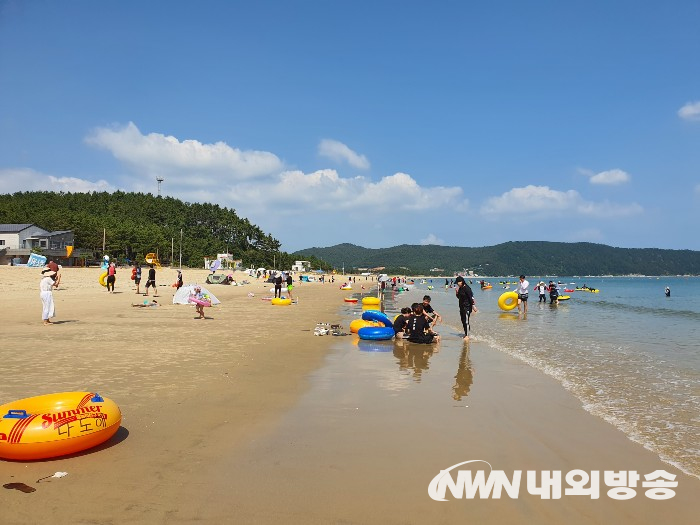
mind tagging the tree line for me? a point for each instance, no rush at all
(134, 224)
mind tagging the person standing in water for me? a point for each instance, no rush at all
(521, 289)
(668, 292)
(467, 305)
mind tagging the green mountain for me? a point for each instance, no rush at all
(511, 258)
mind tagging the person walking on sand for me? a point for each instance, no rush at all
(467, 304)
(46, 285)
(111, 277)
(199, 307)
(521, 290)
(178, 283)
(151, 281)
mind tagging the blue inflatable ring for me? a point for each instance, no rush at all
(380, 317)
(376, 333)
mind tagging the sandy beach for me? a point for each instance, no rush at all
(225, 420)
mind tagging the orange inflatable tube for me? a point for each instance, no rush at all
(360, 323)
(56, 424)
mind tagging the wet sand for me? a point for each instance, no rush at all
(246, 417)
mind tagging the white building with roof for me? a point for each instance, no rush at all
(18, 240)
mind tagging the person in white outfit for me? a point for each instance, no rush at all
(521, 289)
(46, 293)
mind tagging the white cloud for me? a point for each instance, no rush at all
(25, 179)
(186, 163)
(339, 152)
(254, 183)
(541, 201)
(610, 177)
(324, 190)
(691, 111)
(432, 239)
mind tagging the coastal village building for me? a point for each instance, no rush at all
(18, 240)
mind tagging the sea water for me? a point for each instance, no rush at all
(629, 353)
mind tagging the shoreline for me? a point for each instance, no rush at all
(196, 397)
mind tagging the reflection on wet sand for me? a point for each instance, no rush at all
(465, 376)
(413, 356)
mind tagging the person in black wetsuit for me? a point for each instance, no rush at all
(467, 304)
(553, 293)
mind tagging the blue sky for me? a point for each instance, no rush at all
(378, 123)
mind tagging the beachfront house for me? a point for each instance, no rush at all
(18, 240)
(301, 266)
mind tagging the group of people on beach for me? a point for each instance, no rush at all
(51, 279)
(151, 281)
(416, 323)
(281, 278)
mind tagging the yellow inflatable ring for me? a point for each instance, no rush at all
(280, 301)
(507, 301)
(356, 324)
(56, 424)
(103, 279)
(370, 300)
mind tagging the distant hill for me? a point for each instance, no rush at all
(512, 258)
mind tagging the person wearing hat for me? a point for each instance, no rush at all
(278, 285)
(542, 289)
(55, 268)
(467, 304)
(46, 286)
